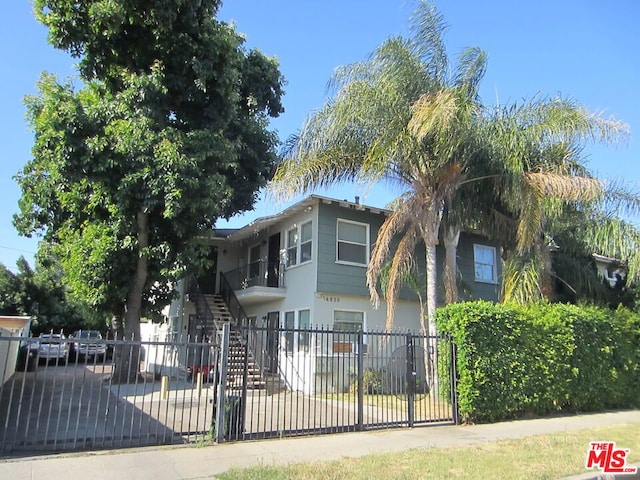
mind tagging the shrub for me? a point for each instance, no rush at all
(372, 381)
(517, 360)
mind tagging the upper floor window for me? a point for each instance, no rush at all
(299, 242)
(353, 242)
(484, 258)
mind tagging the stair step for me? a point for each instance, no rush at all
(215, 313)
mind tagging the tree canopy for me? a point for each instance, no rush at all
(166, 132)
(39, 293)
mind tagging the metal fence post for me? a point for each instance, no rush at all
(453, 374)
(359, 425)
(411, 381)
(222, 385)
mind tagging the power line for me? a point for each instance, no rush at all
(17, 250)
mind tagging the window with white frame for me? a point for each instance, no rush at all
(346, 325)
(297, 320)
(484, 258)
(352, 242)
(299, 242)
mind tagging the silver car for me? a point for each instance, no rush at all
(52, 346)
(89, 343)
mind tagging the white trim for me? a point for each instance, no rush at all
(494, 280)
(367, 246)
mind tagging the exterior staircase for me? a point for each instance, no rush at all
(219, 314)
(213, 312)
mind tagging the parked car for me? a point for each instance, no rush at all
(27, 356)
(52, 346)
(89, 343)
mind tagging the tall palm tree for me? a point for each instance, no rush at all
(401, 117)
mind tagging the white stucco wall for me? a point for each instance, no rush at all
(11, 327)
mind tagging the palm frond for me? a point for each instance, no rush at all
(471, 68)
(522, 279)
(427, 27)
(401, 266)
(565, 187)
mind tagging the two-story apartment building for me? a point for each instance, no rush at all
(302, 268)
(306, 266)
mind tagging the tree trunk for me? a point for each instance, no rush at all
(429, 232)
(450, 274)
(127, 356)
(547, 286)
(432, 288)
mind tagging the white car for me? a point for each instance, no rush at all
(52, 346)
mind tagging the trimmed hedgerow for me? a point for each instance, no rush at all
(537, 359)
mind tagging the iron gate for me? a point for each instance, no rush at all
(59, 399)
(330, 381)
(234, 388)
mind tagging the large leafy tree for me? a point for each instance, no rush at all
(9, 290)
(405, 118)
(166, 133)
(40, 294)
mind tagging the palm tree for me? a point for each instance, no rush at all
(576, 232)
(537, 149)
(402, 118)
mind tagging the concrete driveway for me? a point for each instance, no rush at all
(74, 406)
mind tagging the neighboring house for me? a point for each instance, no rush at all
(610, 269)
(306, 267)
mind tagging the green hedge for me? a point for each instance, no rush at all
(514, 361)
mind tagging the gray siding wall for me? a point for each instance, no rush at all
(335, 277)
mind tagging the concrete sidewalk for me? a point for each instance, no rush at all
(190, 462)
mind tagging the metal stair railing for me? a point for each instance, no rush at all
(252, 340)
(203, 311)
(233, 304)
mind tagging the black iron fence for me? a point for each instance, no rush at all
(53, 397)
(247, 383)
(334, 381)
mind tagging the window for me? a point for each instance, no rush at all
(304, 323)
(293, 320)
(485, 263)
(305, 242)
(353, 243)
(254, 262)
(289, 325)
(346, 325)
(299, 242)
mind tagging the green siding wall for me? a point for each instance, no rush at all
(351, 280)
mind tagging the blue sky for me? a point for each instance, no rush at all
(585, 49)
